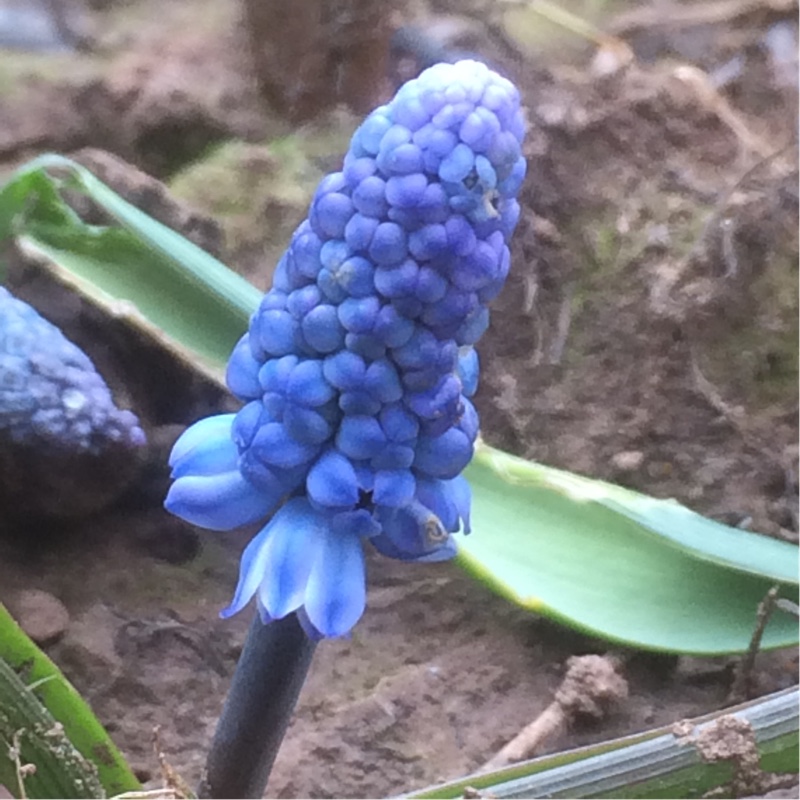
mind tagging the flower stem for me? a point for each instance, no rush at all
(267, 682)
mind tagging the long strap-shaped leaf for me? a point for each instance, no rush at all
(30, 735)
(25, 665)
(704, 537)
(571, 548)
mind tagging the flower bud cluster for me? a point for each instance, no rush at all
(357, 368)
(50, 392)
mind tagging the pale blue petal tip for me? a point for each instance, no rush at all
(211, 427)
(251, 570)
(263, 614)
(212, 456)
(295, 535)
(462, 497)
(336, 593)
(308, 626)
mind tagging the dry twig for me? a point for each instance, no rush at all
(591, 688)
(173, 783)
(559, 343)
(687, 15)
(740, 691)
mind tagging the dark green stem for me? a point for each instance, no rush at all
(265, 688)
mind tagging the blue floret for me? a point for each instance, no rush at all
(358, 365)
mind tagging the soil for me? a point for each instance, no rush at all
(648, 336)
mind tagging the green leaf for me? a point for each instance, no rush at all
(143, 272)
(30, 667)
(653, 764)
(705, 537)
(29, 734)
(568, 548)
(713, 541)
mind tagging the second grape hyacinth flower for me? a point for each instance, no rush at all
(358, 366)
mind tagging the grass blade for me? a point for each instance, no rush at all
(648, 765)
(30, 735)
(66, 706)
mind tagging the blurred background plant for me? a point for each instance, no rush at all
(649, 338)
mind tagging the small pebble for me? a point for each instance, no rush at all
(628, 460)
(43, 617)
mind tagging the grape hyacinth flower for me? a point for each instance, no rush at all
(358, 367)
(50, 392)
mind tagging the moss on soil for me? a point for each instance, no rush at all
(260, 192)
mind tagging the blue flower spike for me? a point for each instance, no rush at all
(357, 368)
(51, 395)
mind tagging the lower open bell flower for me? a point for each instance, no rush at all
(297, 561)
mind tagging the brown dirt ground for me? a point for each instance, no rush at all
(648, 336)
